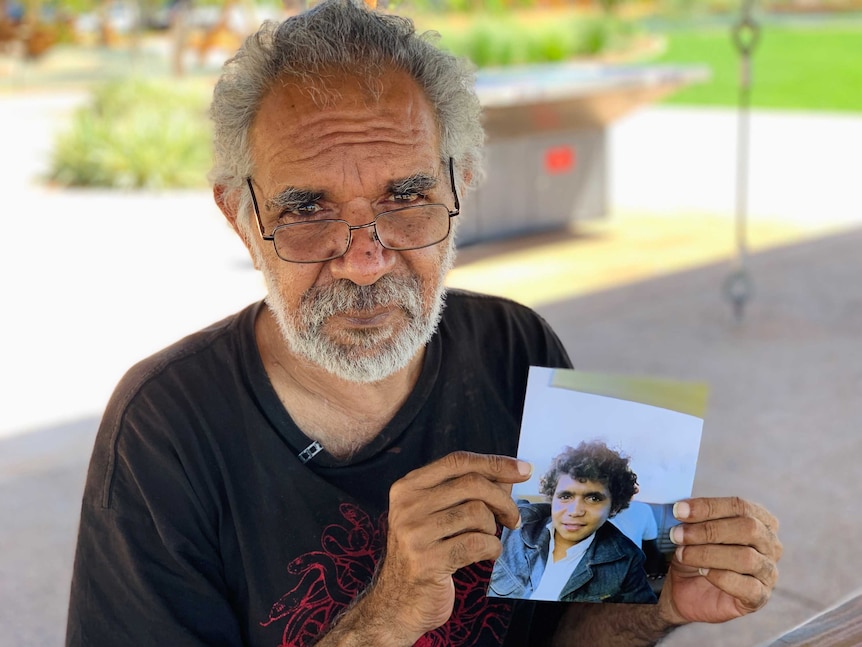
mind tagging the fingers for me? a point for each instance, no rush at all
(727, 521)
(442, 517)
(743, 560)
(456, 479)
(703, 509)
(500, 469)
(730, 542)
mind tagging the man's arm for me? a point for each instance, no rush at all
(724, 568)
(442, 517)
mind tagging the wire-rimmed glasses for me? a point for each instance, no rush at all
(318, 241)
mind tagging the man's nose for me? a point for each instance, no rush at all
(366, 259)
(576, 508)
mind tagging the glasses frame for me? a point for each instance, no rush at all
(351, 228)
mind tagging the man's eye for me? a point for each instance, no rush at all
(302, 210)
(407, 197)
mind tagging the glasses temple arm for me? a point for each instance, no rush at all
(452, 179)
(256, 208)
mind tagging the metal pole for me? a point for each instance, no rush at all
(739, 287)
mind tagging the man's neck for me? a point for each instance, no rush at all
(342, 416)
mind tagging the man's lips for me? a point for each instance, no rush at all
(574, 527)
(369, 318)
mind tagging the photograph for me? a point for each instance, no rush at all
(610, 455)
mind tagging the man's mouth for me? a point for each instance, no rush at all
(574, 527)
(369, 318)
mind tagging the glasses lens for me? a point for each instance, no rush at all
(312, 242)
(413, 227)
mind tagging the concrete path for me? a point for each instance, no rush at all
(92, 281)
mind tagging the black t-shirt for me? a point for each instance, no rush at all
(201, 525)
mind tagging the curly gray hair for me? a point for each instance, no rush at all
(341, 35)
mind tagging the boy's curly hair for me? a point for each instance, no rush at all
(594, 461)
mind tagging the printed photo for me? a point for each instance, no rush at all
(610, 455)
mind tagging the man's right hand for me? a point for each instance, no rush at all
(442, 517)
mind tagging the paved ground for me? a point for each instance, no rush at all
(92, 281)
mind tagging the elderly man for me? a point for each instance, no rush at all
(330, 467)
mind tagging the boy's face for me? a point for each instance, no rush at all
(578, 509)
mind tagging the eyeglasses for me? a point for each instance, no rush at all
(318, 241)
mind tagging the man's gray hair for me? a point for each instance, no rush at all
(341, 35)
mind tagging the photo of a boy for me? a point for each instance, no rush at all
(565, 549)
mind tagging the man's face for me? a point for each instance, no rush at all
(578, 509)
(367, 314)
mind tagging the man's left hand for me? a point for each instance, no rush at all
(725, 562)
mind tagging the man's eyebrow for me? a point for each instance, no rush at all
(292, 197)
(416, 183)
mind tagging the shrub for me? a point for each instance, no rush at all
(136, 134)
(501, 40)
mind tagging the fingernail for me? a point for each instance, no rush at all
(681, 510)
(525, 468)
(703, 571)
(678, 553)
(676, 534)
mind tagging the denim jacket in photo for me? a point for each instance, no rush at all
(612, 569)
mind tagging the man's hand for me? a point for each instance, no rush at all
(725, 563)
(442, 517)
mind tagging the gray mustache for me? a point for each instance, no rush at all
(345, 296)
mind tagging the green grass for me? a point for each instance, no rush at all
(794, 67)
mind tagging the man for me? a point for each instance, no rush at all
(296, 474)
(564, 549)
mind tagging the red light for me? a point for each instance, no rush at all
(559, 159)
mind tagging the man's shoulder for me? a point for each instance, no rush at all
(467, 299)
(501, 328)
(482, 311)
(189, 355)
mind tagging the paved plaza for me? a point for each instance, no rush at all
(94, 280)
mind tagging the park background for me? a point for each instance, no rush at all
(112, 249)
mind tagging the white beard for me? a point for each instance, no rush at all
(368, 355)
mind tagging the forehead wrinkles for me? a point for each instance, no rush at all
(324, 135)
(292, 125)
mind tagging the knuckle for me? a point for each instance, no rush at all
(469, 548)
(751, 527)
(762, 598)
(778, 549)
(711, 533)
(455, 460)
(449, 518)
(768, 573)
(471, 483)
(738, 506)
(753, 562)
(496, 464)
(396, 490)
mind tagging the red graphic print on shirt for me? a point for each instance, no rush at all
(327, 581)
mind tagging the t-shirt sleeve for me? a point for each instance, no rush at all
(147, 570)
(650, 526)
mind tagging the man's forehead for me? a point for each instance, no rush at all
(390, 91)
(569, 482)
(397, 130)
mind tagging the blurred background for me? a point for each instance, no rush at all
(673, 184)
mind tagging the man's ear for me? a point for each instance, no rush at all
(228, 203)
(467, 179)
